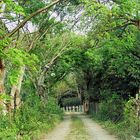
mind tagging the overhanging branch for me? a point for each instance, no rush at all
(28, 18)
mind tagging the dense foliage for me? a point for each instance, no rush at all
(32, 119)
(89, 47)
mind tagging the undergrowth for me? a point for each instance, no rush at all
(125, 127)
(32, 119)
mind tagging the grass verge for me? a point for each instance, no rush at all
(121, 130)
(78, 130)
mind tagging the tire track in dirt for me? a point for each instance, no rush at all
(61, 131)
(95, 131)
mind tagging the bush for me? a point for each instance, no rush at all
(127, 126)
(30, 120)
(111, 109)
(8, 129)
(131, 117)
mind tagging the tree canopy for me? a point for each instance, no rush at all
(47, 47)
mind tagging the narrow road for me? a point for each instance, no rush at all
(92, 130)
(61, 131)
(95, 131)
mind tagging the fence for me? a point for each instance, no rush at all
(73, 108)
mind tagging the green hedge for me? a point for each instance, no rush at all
(74, 101)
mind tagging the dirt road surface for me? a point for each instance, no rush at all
(94, 130)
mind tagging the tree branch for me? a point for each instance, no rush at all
(28, 18)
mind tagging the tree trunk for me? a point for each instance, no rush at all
(40, 84)
(2, 88)
(15, 91)
(79, 92)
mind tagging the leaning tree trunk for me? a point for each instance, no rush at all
(41, 87)
(2, 87)
(15, 91)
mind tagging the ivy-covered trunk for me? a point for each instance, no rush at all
(2, 87)
(41, 87)
(15, 90)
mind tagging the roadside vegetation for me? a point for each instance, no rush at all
(88, 47)
(120, 120)
(31, 120)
